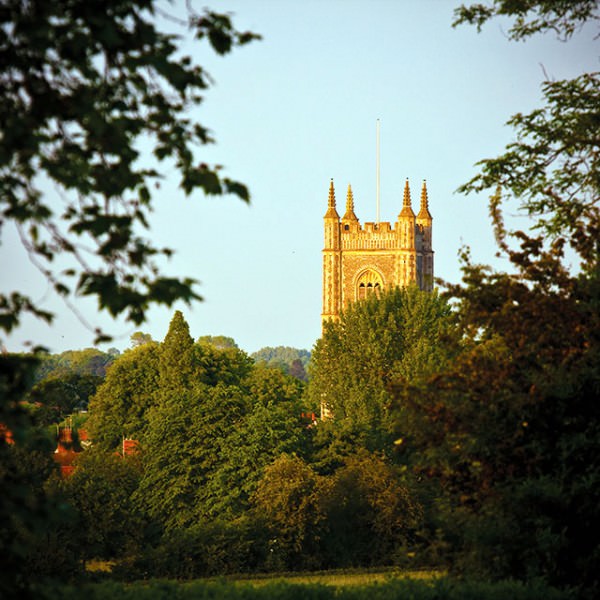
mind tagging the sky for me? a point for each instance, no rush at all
(297, 109)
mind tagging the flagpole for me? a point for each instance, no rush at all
(377, 179)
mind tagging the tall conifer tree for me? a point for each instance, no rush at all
(176, 356)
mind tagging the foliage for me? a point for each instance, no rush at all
(271, 426)
(371, 515)
(531, 16)
(553, 168)
(83, 86)
(509, 429)
(138, 338)
(120, 405)
(362, 514)
(202, 550)
(62, 395)
(219, 341)
(403, 587)
(283, 354)
(287, 498)
(27, 512)
(90, 361)
(208, 420)
(227, 365)
(375, 341)
(176, 355)
(172, 456)
(204, 449)
(100, 490)
(289, 360)
(439, 589)
(65, 382)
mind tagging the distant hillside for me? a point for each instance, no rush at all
(293, 361)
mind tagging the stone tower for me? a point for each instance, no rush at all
(358, 261)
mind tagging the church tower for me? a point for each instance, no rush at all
(358, 261)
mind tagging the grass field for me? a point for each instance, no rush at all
(340, 578)
(359, 585)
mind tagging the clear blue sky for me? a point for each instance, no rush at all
(300, 107)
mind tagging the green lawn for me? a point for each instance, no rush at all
(383, 585)
(340, 578)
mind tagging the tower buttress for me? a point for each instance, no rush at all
(425, 258)
(406, 221)
(424, 218)
(350, 217)
(332, 222)
(424, 213)
(331, 260)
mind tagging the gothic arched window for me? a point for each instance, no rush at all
(369, 282)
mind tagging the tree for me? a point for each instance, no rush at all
(28, 512)
(66, 382)
(537, 16)
(100, 489)
(272, 426)
(121, 404)
(65, 394)
(138, 338)
(552, 168)
(370, 514)
(176, 364)
(297, 370)
(182, 449)
(90, 361)
(291, 360)
(206, 445)
(226, 365)
(287, 500)
(360, 515)
(375, 341)
(82, 84)
(218, 341)
(508, 429)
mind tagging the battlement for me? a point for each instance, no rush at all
(378, 228)
(372, 236)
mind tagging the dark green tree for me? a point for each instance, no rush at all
(370, 515)
(83, 84)
(176, 364)
(271, 426)
(205, 446)
(297, 370)
(287, 500)
(100, 490)
(28, 513)
(182, 449)
(509, 430)
(62, 395)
